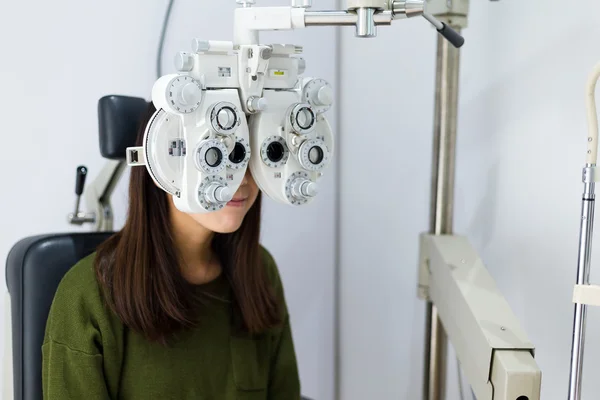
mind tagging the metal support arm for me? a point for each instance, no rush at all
(493, 349)
(97, 196)
(365, 15)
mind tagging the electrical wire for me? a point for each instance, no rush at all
(162, 39)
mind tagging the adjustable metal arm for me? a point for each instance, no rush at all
(364, 14)
(492, 347)
(97, 196)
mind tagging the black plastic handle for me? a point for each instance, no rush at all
(451, 35)
(80, 180)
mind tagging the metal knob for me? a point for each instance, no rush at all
(190, 94)
(184, 62)
(256, 104)
(217, 193)
(324, 96)
(407, 8)
(365, 25)
(303, 188)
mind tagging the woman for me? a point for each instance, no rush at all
(174, 306)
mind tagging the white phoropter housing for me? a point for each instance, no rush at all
(293, 142)
(190, 150)
(225, 105)
(196, 144)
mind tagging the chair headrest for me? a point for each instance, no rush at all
(118, 118)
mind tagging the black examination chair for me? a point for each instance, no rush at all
(36, 264)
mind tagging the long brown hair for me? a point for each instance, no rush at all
(139, 271)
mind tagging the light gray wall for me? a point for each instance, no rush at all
(59, 58)
(521, 146)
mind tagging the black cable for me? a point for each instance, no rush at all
(162, 39)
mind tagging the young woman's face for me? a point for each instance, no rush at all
(229, 218)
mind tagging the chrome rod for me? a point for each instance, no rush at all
(583, 278)
(442, 204)
(343, 18)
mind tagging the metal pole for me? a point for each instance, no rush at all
(583, 278)
(442, 203)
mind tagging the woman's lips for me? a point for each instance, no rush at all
(240, 202)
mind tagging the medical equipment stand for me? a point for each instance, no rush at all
(490, 344)
(498, 364)
(585, 294)
(442, 181)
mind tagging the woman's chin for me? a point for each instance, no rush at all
(226, 220)
(229, 221)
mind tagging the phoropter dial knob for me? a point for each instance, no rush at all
(217, 193)
(225, 118)
(302, 118)
(304, 188)
(214, 193)
(184, 94)
(319, 94)
(299, 188)
(256, 104)
(184, 62)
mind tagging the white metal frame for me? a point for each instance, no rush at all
(493, 349)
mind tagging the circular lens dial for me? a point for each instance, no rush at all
(313, 155)
(184, 94)
(240, 155)
(225, 118)
(274, 151)
(303, 118)
(210, 156)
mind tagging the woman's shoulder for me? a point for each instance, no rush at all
(77, 306)
(79, 281)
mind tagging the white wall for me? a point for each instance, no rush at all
(59, 58)
(521, 147)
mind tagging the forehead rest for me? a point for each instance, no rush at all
(118, 119)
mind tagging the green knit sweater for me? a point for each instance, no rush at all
(89, 354)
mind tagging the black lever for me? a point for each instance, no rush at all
(446, 31)
(451, 35)
(80, 180)
(78, 218)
